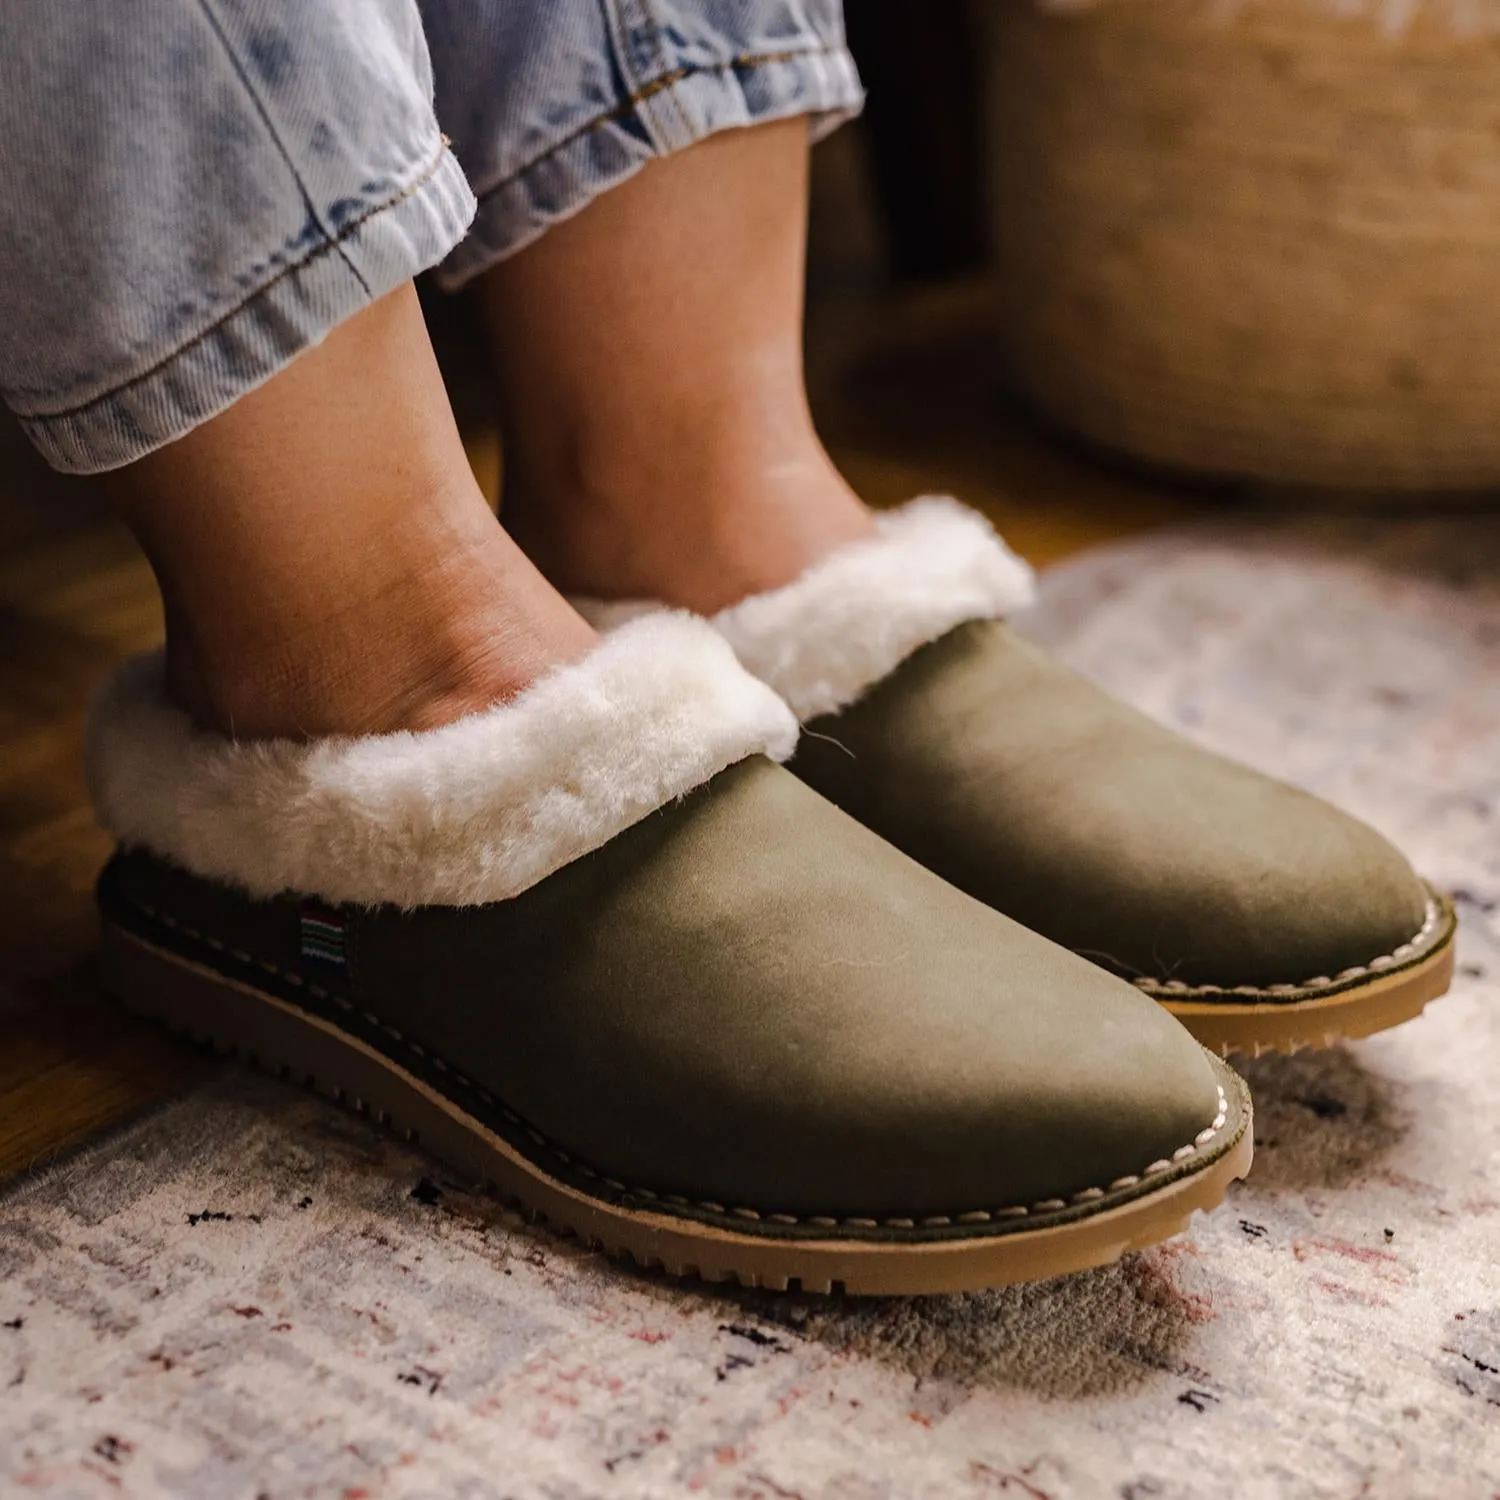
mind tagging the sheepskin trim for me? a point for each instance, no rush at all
(476, 811)
(852, 619)
(823, 640)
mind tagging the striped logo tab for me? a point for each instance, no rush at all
(323, 935)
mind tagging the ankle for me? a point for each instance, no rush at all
(321, 692)
(411, 658)
(700, 536)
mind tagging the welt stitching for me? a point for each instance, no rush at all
(1177, 990)
(674, 1200)
(639, 95)
(263, 109)
(67, 412)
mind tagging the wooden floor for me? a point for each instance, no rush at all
(908, 398)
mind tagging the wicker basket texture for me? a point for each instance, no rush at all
(1257, 239)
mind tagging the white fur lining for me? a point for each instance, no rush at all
(829, 636)
(476, 811)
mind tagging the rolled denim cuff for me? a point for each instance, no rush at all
(315, 288)
(681, 106)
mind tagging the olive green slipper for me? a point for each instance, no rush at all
(1261, 916)
(601, 953)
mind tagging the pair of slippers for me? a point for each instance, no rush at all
(842, 940)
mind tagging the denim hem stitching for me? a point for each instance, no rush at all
(640, 95)
(329, 246)
(661, 59)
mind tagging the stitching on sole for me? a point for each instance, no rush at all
(1175, 989)
(816, 1221)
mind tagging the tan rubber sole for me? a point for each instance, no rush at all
(266, 1031)
(1385, 1001)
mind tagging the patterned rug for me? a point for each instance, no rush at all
(250, 1294)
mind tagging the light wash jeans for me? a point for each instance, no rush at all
(194, 191)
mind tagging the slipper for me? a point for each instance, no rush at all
(599, 951)
(1263, 918)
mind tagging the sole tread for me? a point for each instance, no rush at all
(1254, 1030)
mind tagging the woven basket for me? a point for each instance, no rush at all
(1256, 237)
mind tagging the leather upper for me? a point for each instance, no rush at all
(1032, 789)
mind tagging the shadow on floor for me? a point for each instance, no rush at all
(1096, 1333)
(1322, 1120)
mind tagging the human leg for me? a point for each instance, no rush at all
(663, 145)
(659, 442)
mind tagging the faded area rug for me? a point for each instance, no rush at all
(252, 1295)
